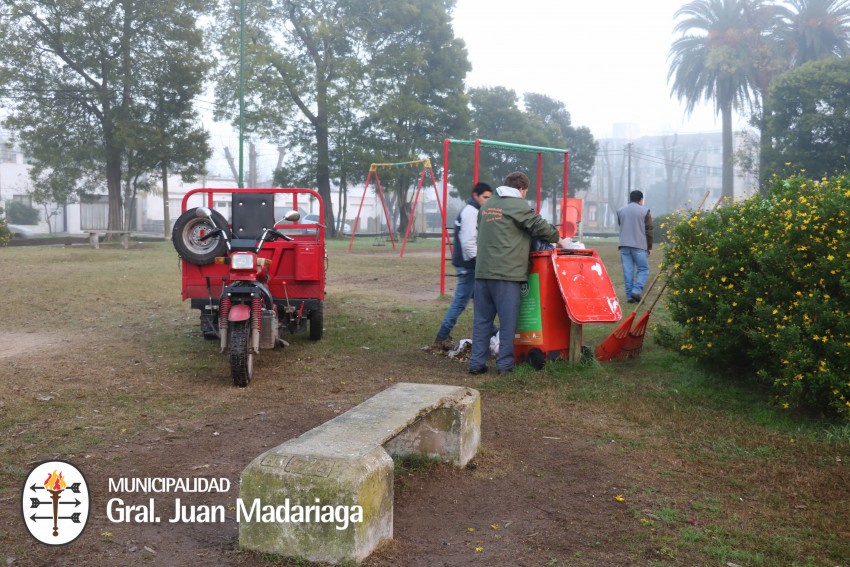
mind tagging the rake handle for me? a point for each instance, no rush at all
(646, 291)
(657, 297)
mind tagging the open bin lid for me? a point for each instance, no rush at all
(585, 286)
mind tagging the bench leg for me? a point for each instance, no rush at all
(125, 240)
(94, 240)
(279, 483)
(451, 434)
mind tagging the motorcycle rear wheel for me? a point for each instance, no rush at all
(241, 354)
(317, 322)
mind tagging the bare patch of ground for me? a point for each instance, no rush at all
(14, 344)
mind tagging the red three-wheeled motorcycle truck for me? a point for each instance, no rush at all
(254, 273)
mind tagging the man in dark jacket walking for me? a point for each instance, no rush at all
(464, 251)
(635, 244)
(506, 226)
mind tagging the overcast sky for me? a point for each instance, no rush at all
(606, 60)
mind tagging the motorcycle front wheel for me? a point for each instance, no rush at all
(241, 354)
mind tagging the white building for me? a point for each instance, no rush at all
(148, 212)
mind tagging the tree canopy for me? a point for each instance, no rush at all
(94, 83)
(808, 119)
(731, 51)
(343, 84)
(542, 122)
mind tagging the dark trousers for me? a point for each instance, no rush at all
(494, 298)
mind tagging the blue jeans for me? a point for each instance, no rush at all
(492, 298)
(463, 293)
(634, 259)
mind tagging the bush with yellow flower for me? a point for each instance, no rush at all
(762, 287)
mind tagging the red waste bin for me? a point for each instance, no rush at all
(566, 289)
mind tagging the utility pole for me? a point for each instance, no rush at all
(629, 149)
(241, 92)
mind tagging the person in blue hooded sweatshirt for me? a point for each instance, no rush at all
(464, 251)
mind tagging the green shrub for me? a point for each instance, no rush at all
(762, 286)
(664, 225)
(5, 233)
(19, 213)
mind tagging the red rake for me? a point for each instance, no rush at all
(633, 342)
(610, 348)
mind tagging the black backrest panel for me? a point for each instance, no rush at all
(252, 212)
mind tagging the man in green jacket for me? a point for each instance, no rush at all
(506, 226)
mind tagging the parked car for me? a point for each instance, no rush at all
(314, 219)
(19, 231)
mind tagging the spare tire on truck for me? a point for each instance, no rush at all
(188, 231)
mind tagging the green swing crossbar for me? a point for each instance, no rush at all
(507, 146)
(494, 144)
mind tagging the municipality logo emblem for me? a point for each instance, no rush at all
(55, 503)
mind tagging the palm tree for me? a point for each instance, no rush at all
(806, 31)
(815, 29)
(713, 61)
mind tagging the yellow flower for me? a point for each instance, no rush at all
(479, 549)
(619, 498)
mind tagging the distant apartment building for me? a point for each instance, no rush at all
(673, 171)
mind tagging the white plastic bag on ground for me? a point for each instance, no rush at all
(464, 347)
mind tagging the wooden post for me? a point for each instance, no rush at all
(575, 341)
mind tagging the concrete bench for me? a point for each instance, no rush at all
(345, 463)
(94, 237)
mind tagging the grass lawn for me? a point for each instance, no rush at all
(99, 359)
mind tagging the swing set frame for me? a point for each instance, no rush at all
(478, 144)
(373, 170)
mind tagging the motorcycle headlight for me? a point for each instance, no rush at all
(242, 261)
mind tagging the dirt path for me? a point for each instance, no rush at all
(14, 344)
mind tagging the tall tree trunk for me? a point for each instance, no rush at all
(323, 159)
(113, 186)
(128, 202)
(166, 216)
(728, 186)
(47, 218)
